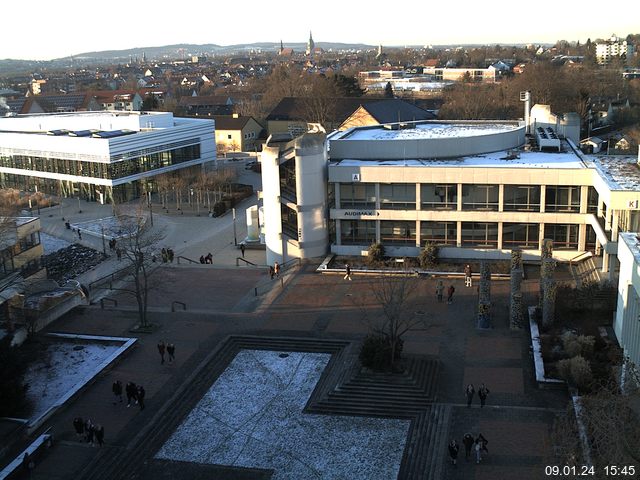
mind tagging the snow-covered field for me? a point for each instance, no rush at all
(252, 417)
(110, 226)
(60, 369)
(52, 244)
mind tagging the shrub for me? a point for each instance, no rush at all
(219, 208)
(578, 345)
(575, 371)
(429, 255)
(375, 253)
(375, 352)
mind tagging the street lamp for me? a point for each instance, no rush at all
(150, 207)
(235, 238)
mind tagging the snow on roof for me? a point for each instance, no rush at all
(431, 130)
(524, 159)
(621, 172)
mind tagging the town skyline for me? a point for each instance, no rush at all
(495, 22)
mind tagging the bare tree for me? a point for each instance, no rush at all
(138, 244)
(400, 303)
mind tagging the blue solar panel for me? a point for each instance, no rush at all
(112, 133)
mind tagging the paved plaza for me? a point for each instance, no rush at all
(220, 302)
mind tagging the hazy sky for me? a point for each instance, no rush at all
(52, 29)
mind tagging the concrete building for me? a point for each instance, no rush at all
(627, 322)
(235, 133)
(475, 188)
(613, 48)
(20, 247)
(100, 155)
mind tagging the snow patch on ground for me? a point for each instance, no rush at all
(52, 244)
(60, 369)
(252, 417)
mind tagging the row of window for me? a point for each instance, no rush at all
(113, 170)
(517, 198)
(474, 234)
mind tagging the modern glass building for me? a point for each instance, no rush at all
(100, 155)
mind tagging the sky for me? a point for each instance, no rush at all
(47, 30)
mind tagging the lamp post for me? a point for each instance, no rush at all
(79, 209)
(150, 207)
(104, 248)
(235, 238)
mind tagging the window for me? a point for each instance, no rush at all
(521, 198)
(520, 235)
(289, 221)
(478, 234)
(565, 237)
(438, 233)
(398, 196)
(562, 199)
(592, 200)
(229, 137)
(358, 232)
(357, 195)
(439, 196)
(480, 197)
(397, 232)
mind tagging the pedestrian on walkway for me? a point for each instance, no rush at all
(209, 258)
(116, 388)
(171, 350)
(272, 272)
(78, 425)
(170, 255)
(161, 350)
(439, 290)
(242, 247)
(79, 234)
(467, 275)
(119, 253)
(163, 254)
(453, 451)
(88, 428)
(99, 432)
(478, 449)
(468, 442)
(202, 259)
(450, 292)
(141, 394)
(483, 443)
(469, 391)
(276, 269)
(348, 272)
(132, 393)
(482, 393)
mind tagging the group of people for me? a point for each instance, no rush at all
(208, 259)
(167, 255)
(483, 393)
(91, 433)
(274, 271)
(169, 348)
(440, 292)
(476, 445)
(134, 392)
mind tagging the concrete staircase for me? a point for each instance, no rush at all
(585, 271)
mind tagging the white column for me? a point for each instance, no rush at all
(418, 197)
(540, 236)
(418, 240)
(582, 237)
(458, 234)
(459, 206)
(543, 200)
(500, 204)
(584, 197)
(614, 225)
(500, 233)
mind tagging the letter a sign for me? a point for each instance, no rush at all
(355, 177)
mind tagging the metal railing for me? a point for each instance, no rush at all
(240, 259)
(118, 274)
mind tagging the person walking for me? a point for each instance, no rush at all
(79, 234)
(88, 428)
(468, 442)
(161, 350)
(439, 290)
(119, 253)
(141, 394)
(469, 391)
(209, 259)
(78, 425)
(276, 269)
(132, 393)
(480, 446)
(467, 275)
(348, 272)
(271, 272)
(171, 350)
(116, 388)
(450, 292)
(482, 393)
(99, 433)
(453, 451)
(163, 254)
(478, 449)
(242, 247)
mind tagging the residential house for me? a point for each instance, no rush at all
(123, 100)
(235, 133)
(206, 105)
(392, 110)
(72, 102)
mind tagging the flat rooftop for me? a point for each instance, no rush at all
(621, 172)
(565, 159)
(429, 130)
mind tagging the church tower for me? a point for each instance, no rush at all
(310, 44)
(281, 47)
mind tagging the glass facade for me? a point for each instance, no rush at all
(438, 233)
(288, 179)
(565, 237)
(480, 197)
(439, 196)
(398, 196)
(480, 234)
(357, 195)
(521, 198)
(525, 235)
(357, 232)
(118, 169)
(289, 221)
(592, 201)
(562, 199)
(398, 232)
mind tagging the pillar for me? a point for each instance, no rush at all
(543, 199)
